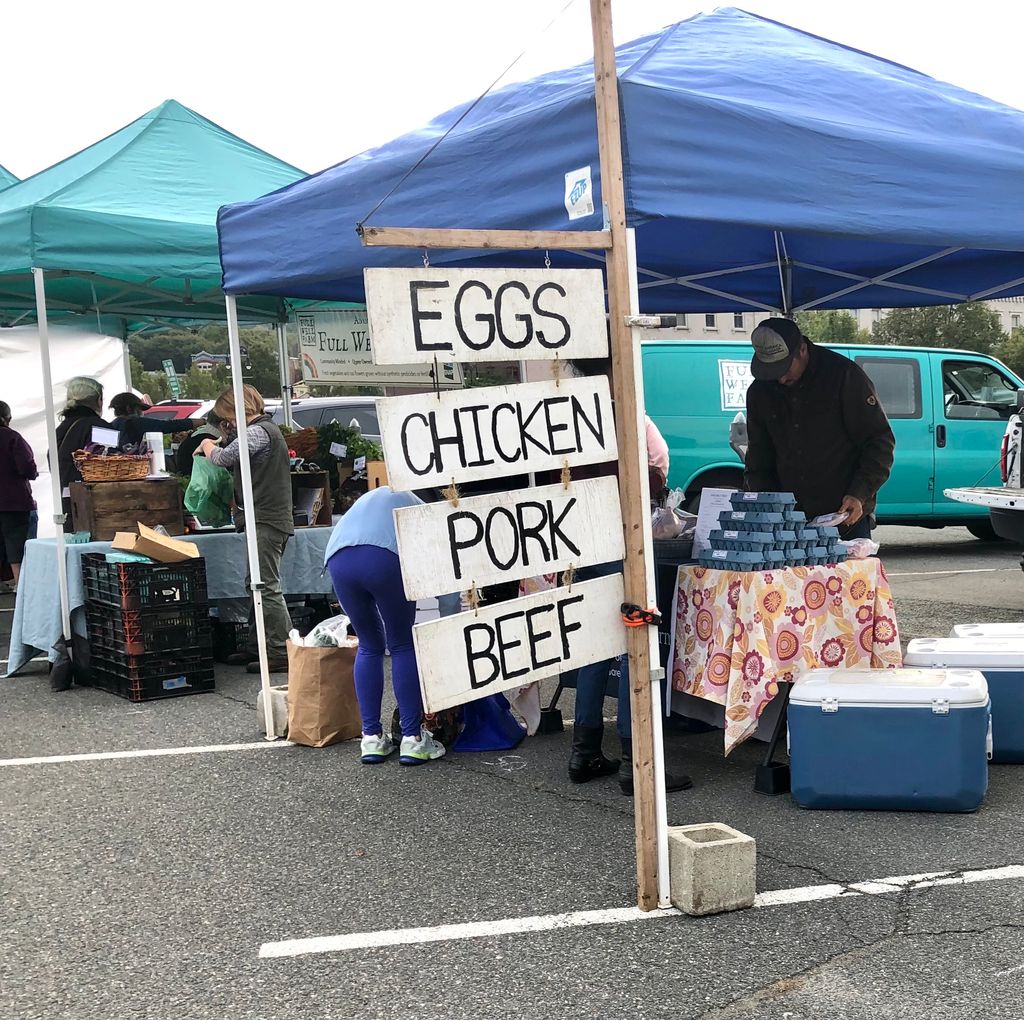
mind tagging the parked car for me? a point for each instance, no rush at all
(948, 410)
(359, 412)
(179, 410)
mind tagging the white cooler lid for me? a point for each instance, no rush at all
(968, 653)
(976, 630)
(960, 688)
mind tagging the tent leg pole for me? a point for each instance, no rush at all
(252, 550)
(39, 278)
(126, 361)
(286, 374)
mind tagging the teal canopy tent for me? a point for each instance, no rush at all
(128, 227)
(6, 178)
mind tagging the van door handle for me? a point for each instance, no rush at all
(940, 435)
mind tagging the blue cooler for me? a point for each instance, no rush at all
(889, 739)
(1001, 661)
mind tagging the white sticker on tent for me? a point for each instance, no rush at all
(579, 193)
(734, 377)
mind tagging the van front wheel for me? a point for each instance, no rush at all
(723, 479)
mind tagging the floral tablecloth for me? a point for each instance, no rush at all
(736, 635)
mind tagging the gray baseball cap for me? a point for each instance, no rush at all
(776, 342)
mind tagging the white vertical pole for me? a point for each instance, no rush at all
(255, 578)
(51, 437)
(660, 797)
(127, 365)
(286, 373)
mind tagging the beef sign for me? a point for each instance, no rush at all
(493, 432)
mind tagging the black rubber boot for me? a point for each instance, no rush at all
(673, 780)
(586, 761)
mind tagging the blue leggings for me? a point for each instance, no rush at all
(368, 583)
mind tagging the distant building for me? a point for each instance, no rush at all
(206, 362)
(737, 325)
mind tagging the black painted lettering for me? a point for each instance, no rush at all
(481, 459)
(556, 529)
(517, 453)
(457, 544)
(542, 338)
(595, 426)
(555, 427)
(501, 513)
(507, 644)
(432, 463)
(419, 316)
(474, 345)
(474, 654)
(525, 436)
(457, 440)
(536, 637)
(527, 320)
(534, 531)
(564, 627)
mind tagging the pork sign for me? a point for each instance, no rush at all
(507, 536)
(417, 315)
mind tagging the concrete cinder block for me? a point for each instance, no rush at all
(278, 709)
(712, 868)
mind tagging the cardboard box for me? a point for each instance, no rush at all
(158, 547)
(376, 474)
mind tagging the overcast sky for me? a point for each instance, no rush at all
(314, 83)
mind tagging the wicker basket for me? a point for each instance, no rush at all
(114, 467)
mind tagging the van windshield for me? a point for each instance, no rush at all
(977, 385)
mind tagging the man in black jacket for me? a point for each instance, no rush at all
(815, 427)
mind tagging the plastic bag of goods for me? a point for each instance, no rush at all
(332, 633)
(210, 492)
(859, 548)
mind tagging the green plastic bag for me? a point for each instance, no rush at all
(209, 493)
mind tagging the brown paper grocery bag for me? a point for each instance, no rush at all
(322, 705)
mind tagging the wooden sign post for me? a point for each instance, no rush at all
(514, 637)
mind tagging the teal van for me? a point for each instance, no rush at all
(948, 411)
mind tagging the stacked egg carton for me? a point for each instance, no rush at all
(764, 530)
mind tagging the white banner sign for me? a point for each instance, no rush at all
(507, 536)
(417, 315)
(336, 347)
(496, 431)
(734, 377)
(469, 656)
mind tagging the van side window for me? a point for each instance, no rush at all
(897, 382)
(977, 390)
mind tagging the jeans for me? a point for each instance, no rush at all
(591, 681)
(270, 546)
(368, 582)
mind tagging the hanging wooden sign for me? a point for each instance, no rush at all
(507, 536)
(496, 431)
(462, 315)
(499, 647)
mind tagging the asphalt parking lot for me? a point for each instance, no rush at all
(220, 883)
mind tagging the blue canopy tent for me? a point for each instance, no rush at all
(765, 168)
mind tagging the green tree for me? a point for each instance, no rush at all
(153, 384)
(832, 327)
(1011, 351)
(200, 385)
(971, 326)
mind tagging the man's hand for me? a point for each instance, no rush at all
(204, 448)
(853, 508)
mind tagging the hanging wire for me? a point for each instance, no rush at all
(547, 259)
(426, 259)
(458, 120)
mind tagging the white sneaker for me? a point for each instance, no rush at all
(419, 750)
(373, 749)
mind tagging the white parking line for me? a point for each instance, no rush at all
(618, 915)
(157, 752)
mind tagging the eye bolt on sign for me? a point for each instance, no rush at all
(469, 315)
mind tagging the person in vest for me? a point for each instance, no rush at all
(272, 508)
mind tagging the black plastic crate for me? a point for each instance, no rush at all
(228, 638)
(142, 586)
(135, 632)
(151, 676)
